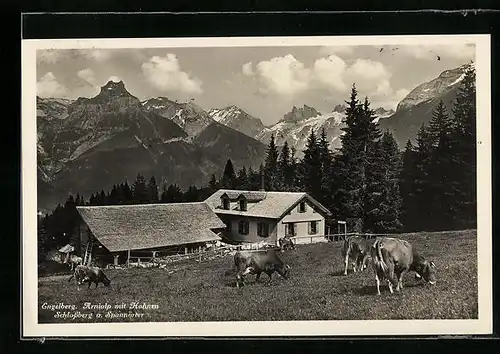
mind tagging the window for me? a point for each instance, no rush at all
(243, 205)
(243, 227)
(313, 228)
(302, 207)
(263, 229)
(290, 229)
(228, 225)
(225, 203)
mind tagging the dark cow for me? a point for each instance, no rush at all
(84, 274)
(392, 256)
(286, 243)
(257, 262)
(357, 249)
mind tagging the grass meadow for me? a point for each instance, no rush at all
(316, 289)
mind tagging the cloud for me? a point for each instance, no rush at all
(48, 86)
(247, 69)
(329, 72)
(165, 74)
(88, 76)
(339, 49)
(49, 56)
(431, 52)
(283, 76)
(99, 55)
(114, 79)
(287, 76)
(391, 100)
(52, 56)
(371, 77)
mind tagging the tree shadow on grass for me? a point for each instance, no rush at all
(372, 289)
(337, 273)
(366, 290)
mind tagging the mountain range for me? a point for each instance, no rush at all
(92, 143)
(89, 144)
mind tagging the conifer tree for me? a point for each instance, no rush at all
(360, 137)
(242, 179)
(139, 190)
(271, 167)
(102, 200)
(326, 158)
(464, 111)
(442, 171)
(213, 184)
(310, 167)
(228, 177)
(192, 194)
(253, 179)
(172, 194)
(284, 168)
(408, 174)
(152, 190)
(422, 183)
(126, 192)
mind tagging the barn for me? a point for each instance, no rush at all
(118, 233)
(255, 216)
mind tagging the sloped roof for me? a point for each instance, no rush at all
(124, 227)
(273, 205)
(66, 249)
(248, 195)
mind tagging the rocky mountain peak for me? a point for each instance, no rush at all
(340, 108)
(381, 112)
(297, 114)
(445, 82)
(114, 90)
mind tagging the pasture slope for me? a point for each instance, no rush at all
(316, 290)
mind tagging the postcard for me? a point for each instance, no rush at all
(258, 186)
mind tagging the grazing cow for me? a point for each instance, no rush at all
(392, 256)
(257, 262)
(356, 248)
(73, 260)
(84, 274)
(286, 243)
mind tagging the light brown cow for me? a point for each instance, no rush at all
(392, 256)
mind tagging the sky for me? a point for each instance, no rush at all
(266, 82)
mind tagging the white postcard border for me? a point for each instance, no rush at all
(31, 327)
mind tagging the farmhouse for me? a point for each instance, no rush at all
(112, 232)
(254, 216)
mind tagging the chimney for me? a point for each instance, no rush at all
(262, 189)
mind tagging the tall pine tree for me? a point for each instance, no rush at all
(139, 190)
(442, 171)
(285, 168)
(422, 183)
(408, 175)
(242, 179)
(152, 190)
(271, 167)
(464, 111)
(310, 167)
(228, 180)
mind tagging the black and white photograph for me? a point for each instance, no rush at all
(257, 186)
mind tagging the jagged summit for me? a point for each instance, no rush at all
(113, 90)
(236, 118)
(340, 108)
(300, 113)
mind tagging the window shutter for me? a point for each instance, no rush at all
(309, 228)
